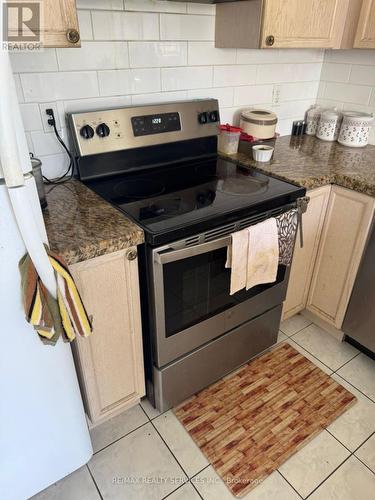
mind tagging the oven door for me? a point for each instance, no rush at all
(192, 304)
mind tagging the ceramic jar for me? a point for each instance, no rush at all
(329, 125)
(355, 129)
(312, 120)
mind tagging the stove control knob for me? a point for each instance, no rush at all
(86, 132)
(102, 130)
(202, 118)
(213, 116)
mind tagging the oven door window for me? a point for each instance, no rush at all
(196, 288)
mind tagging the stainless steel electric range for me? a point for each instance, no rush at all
(159, 165)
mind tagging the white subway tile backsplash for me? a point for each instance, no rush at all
(186, 78)
(300, 55)
(252, 94)
(355, 56)
(17, 82)
(158, 97)
(298, 90)
(357, 94)
(47, 144)
(186, 27)
(45, 60)
(85, 24)
(256, 56)
(44, 87)
(157, 54)
(111, 25)
(100, 4)
(231, 76)
(280, 73)
(94, 55)
(134, 81)
(31, 117)
(200, 53)
(155, 6)
(372, 98)
(54, 165)
(333, 72)
(208, 10)
(363, 75)
(223, 95)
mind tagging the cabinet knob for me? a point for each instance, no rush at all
(131, 254)
(270, 40)
(73, 36)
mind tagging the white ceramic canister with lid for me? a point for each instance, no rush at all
(329, 125)
(312, 119)
(355, 129)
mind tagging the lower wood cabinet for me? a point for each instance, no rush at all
(110, 362)
(348, 219)
(304, 258)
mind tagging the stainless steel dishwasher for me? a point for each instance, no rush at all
(359, 322)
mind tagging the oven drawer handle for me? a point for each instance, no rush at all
(184, 253)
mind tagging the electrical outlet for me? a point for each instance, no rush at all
(276, 95)
(52, 105)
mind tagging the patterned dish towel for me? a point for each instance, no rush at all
(66, 315)
(287, 228)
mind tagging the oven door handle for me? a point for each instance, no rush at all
(167, 256)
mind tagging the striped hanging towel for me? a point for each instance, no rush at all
(51, 318)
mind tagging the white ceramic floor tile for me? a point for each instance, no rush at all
(360, 372)
(281, 337)
(149, 409)
(366, 453)
(351, 481)
(313, 463)
(181, 444)
(115, 428)
(294, 324)
(137, 466)
(211, 487)
(309, 356)
(325, 347)
(186, 492)
(77, 486)
(354, 426)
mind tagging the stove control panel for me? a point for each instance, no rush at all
(155, 124)
(132, 127)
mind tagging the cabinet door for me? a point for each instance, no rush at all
(60, 24)
(304, 258)
(303, 23)
(365, 36)
(348, 219)
(110, 362)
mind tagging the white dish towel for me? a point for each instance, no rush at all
(254, 256)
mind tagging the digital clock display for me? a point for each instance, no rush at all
(155, 124)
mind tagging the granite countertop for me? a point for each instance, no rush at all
(310, 162)
(80, 225)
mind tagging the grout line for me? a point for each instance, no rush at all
(174, 491)
(96, 486)
(329, 475)
(285, 479)
(193, 485)
(118, 439)
(337, 439)
(346, 362)
(174, 456)
(358, 447)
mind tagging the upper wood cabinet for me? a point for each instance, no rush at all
(110, 362)
(348, 219)
(60, 24)
(302, 268)
(365, 36)
(286, 23)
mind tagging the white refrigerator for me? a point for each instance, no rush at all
(43, 430)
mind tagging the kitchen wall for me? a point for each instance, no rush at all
(140, 51)
(348, 81)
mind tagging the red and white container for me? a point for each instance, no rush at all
(229, 139)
